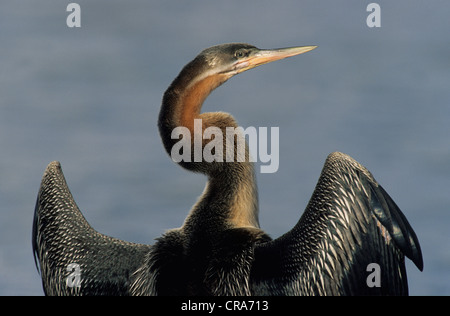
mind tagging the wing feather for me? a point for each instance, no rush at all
(62, 236)
(349, 223)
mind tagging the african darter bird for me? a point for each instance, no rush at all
(349, 223)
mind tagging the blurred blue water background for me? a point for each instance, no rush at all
(89, 97)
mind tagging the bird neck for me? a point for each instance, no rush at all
(225, 203)
(230, 198)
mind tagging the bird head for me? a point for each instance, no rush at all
(234, 58)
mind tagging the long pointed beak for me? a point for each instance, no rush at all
(265, 56)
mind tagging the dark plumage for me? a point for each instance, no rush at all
(349, 223)
(61, 236)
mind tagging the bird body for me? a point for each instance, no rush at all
(349, 224)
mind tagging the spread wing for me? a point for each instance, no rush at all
(351, 240)
(75, 259)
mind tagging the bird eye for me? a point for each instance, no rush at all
(240, 53)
